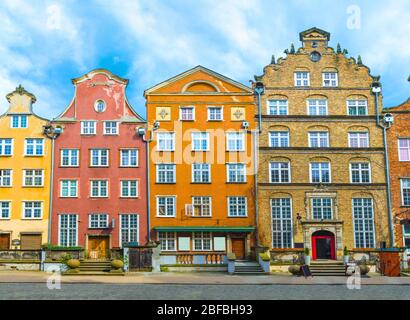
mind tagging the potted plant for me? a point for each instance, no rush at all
(117, 264)
(294, 269)
(307, 256)
(364, 269)
(345, 256)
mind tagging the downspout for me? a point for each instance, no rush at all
(50, 210)
(148, 190)
(376, 90)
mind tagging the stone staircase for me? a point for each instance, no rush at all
(248, 268)
(328, 268)
(95, 268)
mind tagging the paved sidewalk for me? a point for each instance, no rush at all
(195, 278)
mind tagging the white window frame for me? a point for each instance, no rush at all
(317, 107)
(35, 144)
(318, 138)
(167, 206)
(167, 137)
(157, 170)
(236, 138)
(99, 157)
(201, 204)
(399, 148)
(19, 121)
(296, 79)
(117, 128)
(239, 169)
(33, 177)
(236, 205)
(322, 207)
(288, 169)
(201, 137)
(129, 157)
(282, 220)
(401, 192)
(201, 172)
(129, 187)
(70, 157)
(69, 188)
(101, 222)
(88, 127)
(330, 80)
(99, 188)
(9, 209)
(184, 108)
(277, 105)
(167, 238)
(129, 229)
(321, 170)
(70, 243)
(221, 109)
(361, 171)
(357, 134)
(281, 135)
(200, 237)
(354, 225)
(3, 146)
(406, 235)
(3, 177)
(25, 202)
(356, 105)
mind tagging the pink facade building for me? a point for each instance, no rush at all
(99, 186)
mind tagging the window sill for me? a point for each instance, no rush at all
(68, 166)
(6, 155)
(237, 216)
(6, 186)
(165, 216)
(201, 182)
(129, 166)
(32, 186)
(31, 218)
(165, 182)
(244, 182)
(34, 155)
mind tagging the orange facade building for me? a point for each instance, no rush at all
(200, 127)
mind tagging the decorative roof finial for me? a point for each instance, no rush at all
(292, 48)
(20, 90)
(286, 51)
(345, 51)
(339, 49)
(272, 60)
(359, 60)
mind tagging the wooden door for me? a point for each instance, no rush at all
(98, 247)
(238, 247)
(323, 247)
(30, 241)
(4, 241)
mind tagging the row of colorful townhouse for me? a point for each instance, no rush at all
(301, 159)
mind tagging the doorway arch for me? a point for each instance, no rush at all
(323, 245)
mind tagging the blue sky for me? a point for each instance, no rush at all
(44, 44)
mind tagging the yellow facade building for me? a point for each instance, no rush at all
(25, 167)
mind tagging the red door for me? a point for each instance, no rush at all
(323, 247)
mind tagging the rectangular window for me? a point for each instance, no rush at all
(99, 157)
(320, 172)
(166, 206)
(404, 149)
(279, 172)
(277, 107)
(98, 221)
(68, 188)
(318, 139)
(358, 140)
(99, 189)
(202, 241)
(322, 208)
(363, 222)
(302, 79)
(32, 209)
(186, 114)
(200, 141)
(34, 147)
(201, 206)
(67, 234)
(279, 139)
(6, 147)
(69, 157)
(317, 107)
(237, 207)
(33, 178)
(88, 127)
(215, 114)
(111, 127)
(360, 172)
(405, 191)
(357, 107)
(165, 141)
(330, 79)
(281, 211)
(201, 172)
(19, 121)
(235, 141)
(129, 157)
(129, 228)
(129, 188)
(406, 236)
(6, 179)
(167, 240)
(236, 172)
(166, 173)
(5, 207)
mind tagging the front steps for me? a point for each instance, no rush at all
(328, 268)
(95, 268)
(245, 268)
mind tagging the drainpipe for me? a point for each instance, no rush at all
(376, 89)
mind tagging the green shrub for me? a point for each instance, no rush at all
(307, 251)
(52, 247)
(345, 252)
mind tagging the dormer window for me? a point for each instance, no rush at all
(99, 106)
(19, 121)
(302, 79)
